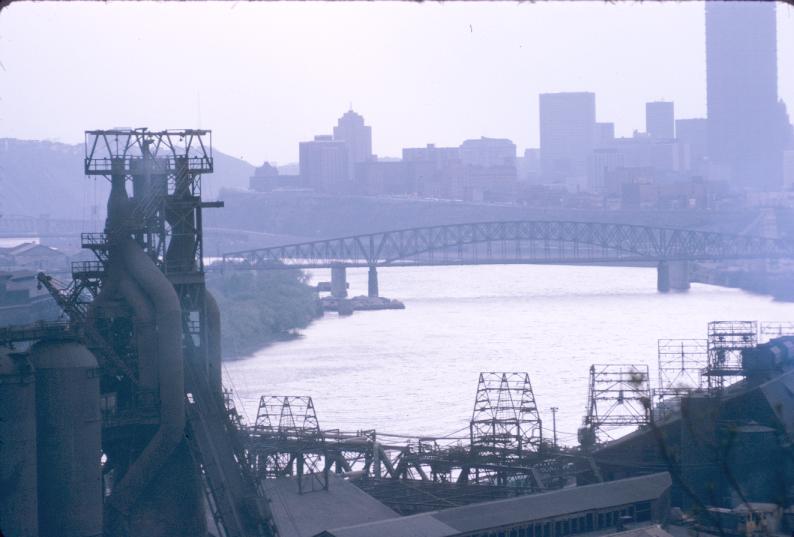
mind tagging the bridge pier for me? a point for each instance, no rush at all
(672, 276)
(339, 281)
(372, 282)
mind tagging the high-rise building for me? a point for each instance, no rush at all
(745, 145)
(324, 165)
(660, 120)
(351, 130)
(604, 135)
(567, 132)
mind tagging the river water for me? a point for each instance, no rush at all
(415, 371)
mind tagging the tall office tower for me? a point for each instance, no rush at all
(567, 132)
(660, 120)
(744, 118)
(350, 129)
(324, 165)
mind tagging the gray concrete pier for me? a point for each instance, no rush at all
(339, 281)
(672, 276)
(372, 282)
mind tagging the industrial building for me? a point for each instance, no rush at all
(569, 511)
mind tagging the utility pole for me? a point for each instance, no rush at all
(554, 410)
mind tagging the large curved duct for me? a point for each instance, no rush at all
(213, 343)
(145, 331)
(168, 320)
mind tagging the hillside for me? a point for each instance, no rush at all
(39, 177)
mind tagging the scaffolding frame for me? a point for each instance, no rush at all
(681, 364)
(619, 395)
(726, 340)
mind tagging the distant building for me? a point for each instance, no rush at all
(788, 169)
(264, 178)
(604, 135)
(599, 164)
(378, 178)
(351, 130)
(34, 256)
(642, 151)
(488, 152)
(438, 170)
(439, 156)
(528, 166)
(22, 301)
(745, 120)
(693, 134)
(324, 165)
(660, 120)
(567, 132)
(488, 183)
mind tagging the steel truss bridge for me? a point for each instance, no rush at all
(519, 242)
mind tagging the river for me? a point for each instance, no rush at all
(415, 371)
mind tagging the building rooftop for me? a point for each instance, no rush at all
(304, 515)
(487, 515)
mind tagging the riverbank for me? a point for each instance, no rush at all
(262, 307)
(779, 282)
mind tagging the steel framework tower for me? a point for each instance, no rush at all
(505, 423)
(289, 442)
(681, 365)
(619, 396)
(143, 308)
(726, 340)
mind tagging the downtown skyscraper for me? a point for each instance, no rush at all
(746, 124)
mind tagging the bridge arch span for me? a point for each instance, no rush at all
(514, 242)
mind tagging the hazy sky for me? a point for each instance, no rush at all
(264, 76)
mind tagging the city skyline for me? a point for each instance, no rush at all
(483, 81)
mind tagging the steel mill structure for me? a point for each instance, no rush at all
(133, 434)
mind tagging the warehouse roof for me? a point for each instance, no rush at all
(303, 515)
(486, 515)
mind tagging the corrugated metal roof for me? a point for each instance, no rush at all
(555, 503)
(304, 515)
(486, 515)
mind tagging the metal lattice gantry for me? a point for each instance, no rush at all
(286, 440)
(726, 340)
(513, 242)
(619, 395)
(505, 423)
(681, 365)
(164, 169)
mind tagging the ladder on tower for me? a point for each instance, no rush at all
(232, 493)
